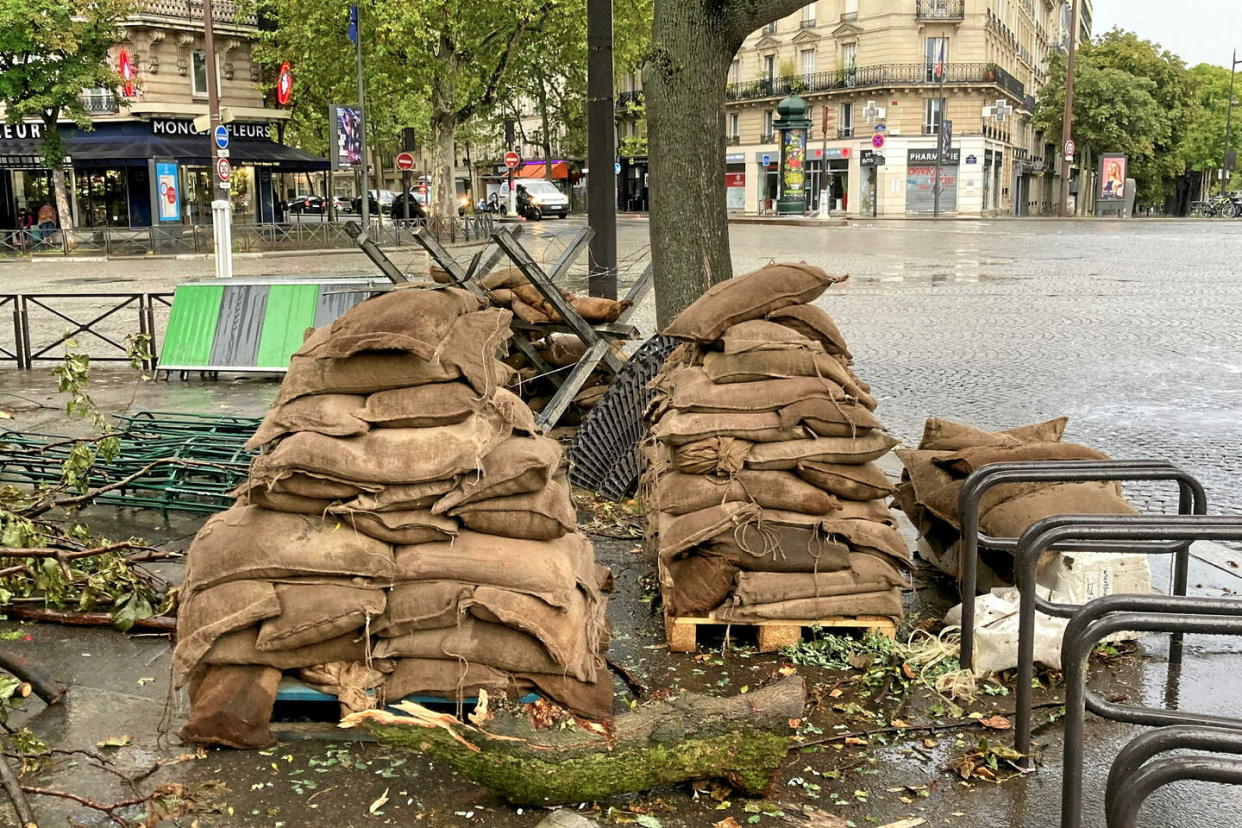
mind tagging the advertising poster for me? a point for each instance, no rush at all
(1113, 169)
(794, 178)
(169, 190)
(735, 191)
(347, 128)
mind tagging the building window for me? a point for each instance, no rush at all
(198, 77)
(769, 68)
(931, 116)
(936, 57)
(734, 126)
(767, 127)
(851, 10)
(847, 120)
(808, 62)
(770, 28)
(808, 16)
(849, 55)
(735, 72)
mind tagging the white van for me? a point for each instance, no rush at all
(543, 193)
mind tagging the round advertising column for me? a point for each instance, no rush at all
(793, 127)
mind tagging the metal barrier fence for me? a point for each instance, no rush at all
(98, 329)
(247, 238)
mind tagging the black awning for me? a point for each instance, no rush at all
(98, 149)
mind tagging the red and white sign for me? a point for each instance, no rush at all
(513, 160)
(877, 140)
(735, 179)
(125, 68)
(224, 170)
(405, 161)
(284, 84)
(1069, 149)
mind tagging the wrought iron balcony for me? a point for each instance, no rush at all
(845, 132)
(767, 137)
(808, 23)
(624, 99)
(223, 12)
(733, 140)
(99, 102)
(889, 75)
(940, 10)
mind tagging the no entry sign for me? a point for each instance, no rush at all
(512, 160)
(405, 161)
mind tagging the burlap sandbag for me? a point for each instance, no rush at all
(963, 463)
(680, 534)
(501, 296)
(246, 542)
(528, 313)
(405, 527)
(697, 584)
(331, 414)
(567, 634)
(241, 647)
(815, 324)
(761, 335)
(946, 435)
(253, 493)
(874, 510)
(886, 603)
(505, 277)
(231, 706)
(788, 455)
(313, 613)
(1013, 517)
(589, 397)
(943, 503)
(677, 429)
(715, 455)
(678, 494)
(494, 645)
(422, 605)
(516, 466)
(751, 296)
(690, 389)
(401, 497)
(348, 681)
(588, 699)
(549, 570)
(300, 484)
(472, 346)
(849, 481)
(405, 319)
(206, 615)
(362, 374)
(540, 515)
(760, 366)
(420, 406)
(923, 472)
(392, 455)
(870, 537)
(562, 349)
(782, 542)
(867, 573)
(447, 678)
(828, 417)
(598, 310)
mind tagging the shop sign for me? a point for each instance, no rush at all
(972, 159)
(869, 158)
(831, 153)
(735, 179)
(928, 156)
(28, 130)
(735, 158)
(237, 129)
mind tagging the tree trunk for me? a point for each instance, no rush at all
(444, 205)
(685, 84)
(743, 739)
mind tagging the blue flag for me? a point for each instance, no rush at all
(353, 24)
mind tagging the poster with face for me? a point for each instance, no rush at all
(1113, 169)
(347, 127)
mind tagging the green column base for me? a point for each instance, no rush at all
(787, 206)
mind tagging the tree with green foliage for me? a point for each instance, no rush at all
(1202, 146)
(50, 51)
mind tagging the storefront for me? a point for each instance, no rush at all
(735, 181)
(113, 179)
(633, 185)
(869, 163)
(921, 179)
(829, 171)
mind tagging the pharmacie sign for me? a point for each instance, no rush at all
(237, 129)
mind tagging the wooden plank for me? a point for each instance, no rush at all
(773, 635)
(637, 293)
(682, 638)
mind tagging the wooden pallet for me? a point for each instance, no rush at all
(682, 633)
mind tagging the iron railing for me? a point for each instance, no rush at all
(624, 99)
(247, 238)
(883, 75)
(99, 102)
(96, 322)
(845, 132)
(733, 140)
(940, 9)
(807, 23)
(768, 137)
(225, 12)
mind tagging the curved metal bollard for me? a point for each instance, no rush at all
(1196, 615)
(1191, 500)
(1147, 746)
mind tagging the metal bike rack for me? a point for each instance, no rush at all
(1115, 613)
(1128, 779)
(1163, 772)
(1191, 500)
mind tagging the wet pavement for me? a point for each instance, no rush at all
(1127, 328)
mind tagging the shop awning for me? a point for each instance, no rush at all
(537, 169)
(112, 150)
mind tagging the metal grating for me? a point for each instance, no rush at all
(604, 456)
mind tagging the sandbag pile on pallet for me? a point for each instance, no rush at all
(406, 531)
(763, 498)
(949, 452)
(509, 288)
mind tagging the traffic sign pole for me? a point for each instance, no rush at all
(221, 210)
(512, 162)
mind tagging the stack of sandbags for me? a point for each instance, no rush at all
(405, 531)
(763, 498)
(949, 452)
(509, 288)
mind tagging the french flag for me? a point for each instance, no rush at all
(939, 70)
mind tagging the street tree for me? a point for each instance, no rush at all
(1202, 147)
(50, 51)
(448, 58)
(693, 43)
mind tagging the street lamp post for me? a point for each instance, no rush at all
(793, 126)
(1067, 113)
(1225, 165)
(221, 209)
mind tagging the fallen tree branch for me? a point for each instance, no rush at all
(743, 739)
(39, 683)
(636, 687)
(25, 816)
(931, 728)
(159, 623)
(81, 800)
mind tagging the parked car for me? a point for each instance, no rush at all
(383, 205)
(305, 204)
(342, 204)
(543, 194)
(417, 210)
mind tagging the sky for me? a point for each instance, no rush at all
(1200, 31)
